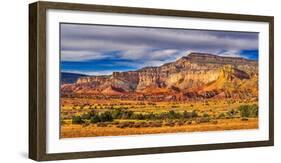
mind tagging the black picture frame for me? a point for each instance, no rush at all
(37, 79)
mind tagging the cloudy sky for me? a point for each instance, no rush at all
(99, 50)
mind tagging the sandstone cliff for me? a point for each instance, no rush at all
(192, 76)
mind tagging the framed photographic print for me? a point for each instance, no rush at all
(112, 81)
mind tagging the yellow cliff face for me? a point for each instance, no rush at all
(192, 80)
(234, 81)
(195, 74)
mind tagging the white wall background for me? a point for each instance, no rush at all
(14, 80)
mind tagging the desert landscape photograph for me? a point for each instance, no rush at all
(126, 80)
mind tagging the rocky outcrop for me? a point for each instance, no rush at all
(194, 75)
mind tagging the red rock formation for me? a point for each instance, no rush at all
(192, 76)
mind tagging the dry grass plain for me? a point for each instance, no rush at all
(212, 109)
(74, 130)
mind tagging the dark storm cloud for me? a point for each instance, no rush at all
(89, 37)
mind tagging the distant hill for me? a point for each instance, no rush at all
(68, 78)
(197, 75)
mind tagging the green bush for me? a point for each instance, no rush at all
(116, 113)
(249, 110)
(187, 114)
(221, 116)
(150, 116)
(138, 116)
(205, 115)
(77, 120)
(255, 110)
(103, 117)
(95, 119)
(106, 117)
(194, 114)
(121, 113)
(244, 111)
(86, 116)
(173, 115)
(109, 116)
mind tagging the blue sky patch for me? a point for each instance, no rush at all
(101, 50)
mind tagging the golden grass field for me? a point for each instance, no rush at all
(212, 109)
(74, 130)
